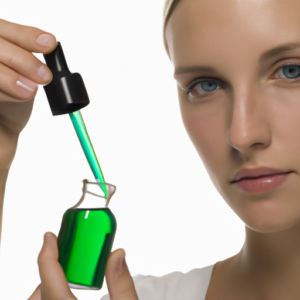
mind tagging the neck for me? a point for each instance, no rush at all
(271, 250)
(270, 263)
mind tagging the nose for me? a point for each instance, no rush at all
(248, 123)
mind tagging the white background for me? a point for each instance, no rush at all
(170, 217)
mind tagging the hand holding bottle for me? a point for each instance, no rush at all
(54, 285)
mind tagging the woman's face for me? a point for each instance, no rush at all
(237, 64)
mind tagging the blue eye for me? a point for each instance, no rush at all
(201, 87)
(291, 71)
(209, 86)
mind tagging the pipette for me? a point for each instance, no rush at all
(67, 95)
(87, 147)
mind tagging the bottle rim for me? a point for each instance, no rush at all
(111, 189)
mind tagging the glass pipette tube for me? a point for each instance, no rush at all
(88, 149)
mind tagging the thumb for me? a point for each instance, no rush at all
(54, 285)
(119, 281)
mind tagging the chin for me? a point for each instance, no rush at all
(269, 227)
(269, 215)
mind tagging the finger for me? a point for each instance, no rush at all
(54, 285)
(16, 85)
(119, 281)
(24, 62)
(36, 294)
(27, 37)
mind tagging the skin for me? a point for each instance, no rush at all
(252, 120)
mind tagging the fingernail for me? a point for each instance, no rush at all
(47, 239)
(44, 73)
(26, 84)
(49, 242)
(121, 264)
(45, 40)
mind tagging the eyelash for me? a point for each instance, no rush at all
(197, 81)
(193, 84)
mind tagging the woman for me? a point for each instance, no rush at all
(237, 65)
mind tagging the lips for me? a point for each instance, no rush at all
(260, 180)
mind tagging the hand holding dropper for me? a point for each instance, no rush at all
(67, 94)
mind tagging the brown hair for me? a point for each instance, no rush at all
(169, 7)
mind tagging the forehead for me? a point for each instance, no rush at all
(203, 29)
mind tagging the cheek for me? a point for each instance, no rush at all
(206, 125)
(285, 124)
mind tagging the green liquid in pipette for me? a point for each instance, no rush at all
(88, 148)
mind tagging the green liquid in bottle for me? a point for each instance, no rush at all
(85, 241)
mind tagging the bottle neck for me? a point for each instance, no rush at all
(93, 196)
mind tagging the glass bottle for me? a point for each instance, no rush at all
(86, 237)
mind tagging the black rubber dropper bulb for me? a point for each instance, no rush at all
(66, 93)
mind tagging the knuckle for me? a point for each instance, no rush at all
(15, 30)
(10, 57)
(43, 259)
(19, 29)
(30, 63)
(34, 31)
(25, 33)
(40, 259)
(23, 30)
(8, 53)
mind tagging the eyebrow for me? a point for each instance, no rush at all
(194, 69)
(278, 50)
